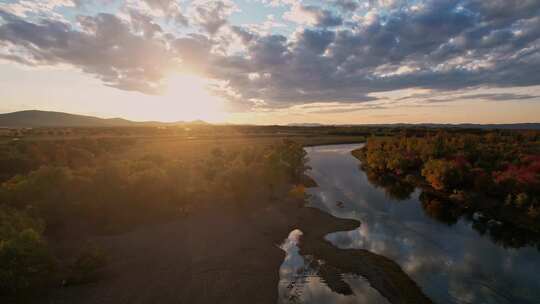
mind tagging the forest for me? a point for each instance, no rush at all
(496, 172)
(56, 191)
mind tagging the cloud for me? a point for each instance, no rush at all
(105, 46)
(442, 45)
(144, 24)
(325, 55)
(312, 15)
(347, 5)
(264, 28)
(45, 8)
(168, 10)
(486, 96)
(193, 50)
(316, 41)
(502, 96)
(211, 15)
(162, 5)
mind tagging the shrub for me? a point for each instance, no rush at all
(522, 200)
(298, 192)
(88, 265)
(533, 212)
(25, 260)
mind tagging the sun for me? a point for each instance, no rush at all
(189, 98)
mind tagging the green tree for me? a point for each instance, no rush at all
(25, 259)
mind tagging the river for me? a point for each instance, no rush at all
(463, 260)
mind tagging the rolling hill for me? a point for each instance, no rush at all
(36, 118)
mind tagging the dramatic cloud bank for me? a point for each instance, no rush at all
(340, 51)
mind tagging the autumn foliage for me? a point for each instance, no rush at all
(82, 187)
(504, 165)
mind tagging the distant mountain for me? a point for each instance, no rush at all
(35, 118)
(305, 125)
(515, 126)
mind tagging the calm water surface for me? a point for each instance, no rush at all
(452, 263)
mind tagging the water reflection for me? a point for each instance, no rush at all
(394, 188)
(504, 234)
(301, 281)
(454, 258)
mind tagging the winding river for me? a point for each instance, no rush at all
(464, 260)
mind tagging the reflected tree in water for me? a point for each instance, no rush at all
(439, 209)
(394, 188)
(449, 212)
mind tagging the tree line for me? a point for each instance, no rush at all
(499, 167)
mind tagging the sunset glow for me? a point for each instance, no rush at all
(266, 62)
(190, 98)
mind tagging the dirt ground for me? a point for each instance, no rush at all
(225, 255)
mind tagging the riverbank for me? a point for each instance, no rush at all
(226, 255)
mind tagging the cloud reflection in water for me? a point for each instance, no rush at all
(300, 282)
(452, 264)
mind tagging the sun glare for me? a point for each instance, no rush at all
(188, 97)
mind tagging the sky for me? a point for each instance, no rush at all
(274, 61)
